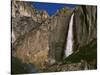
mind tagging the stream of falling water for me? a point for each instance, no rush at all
(69, 44)
(13, 37)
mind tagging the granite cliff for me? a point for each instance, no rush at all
(40, 39)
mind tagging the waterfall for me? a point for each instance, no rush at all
(69, 44)
(13, 37)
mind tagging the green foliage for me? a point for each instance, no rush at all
(64, 10)
(87, 52)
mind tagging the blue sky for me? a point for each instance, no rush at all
(51, 8)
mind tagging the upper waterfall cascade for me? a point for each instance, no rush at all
(69, 44)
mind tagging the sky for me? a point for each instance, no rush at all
(51, 8)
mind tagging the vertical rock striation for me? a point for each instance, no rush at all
(57, 35)
(85, 25)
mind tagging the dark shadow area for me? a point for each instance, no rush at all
(18, 67)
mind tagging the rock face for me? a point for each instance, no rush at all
(84, 31)
(85, 25)
(32, 47)
(25, 18)
(29, 33)
(41, 39)
(22, 8)
(84, 40)
(22, 25)
(57, 36)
